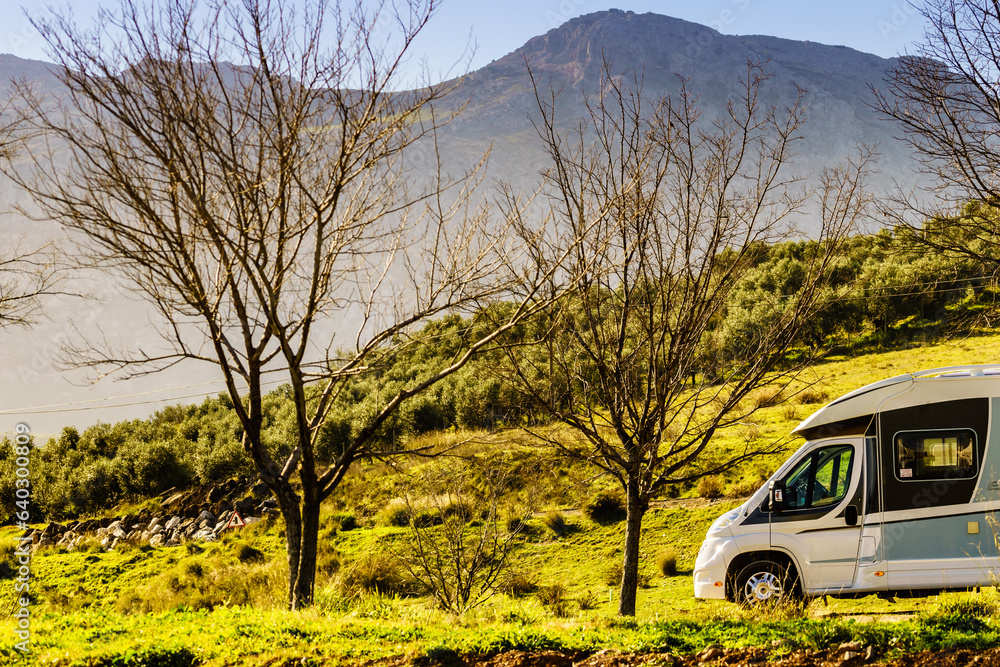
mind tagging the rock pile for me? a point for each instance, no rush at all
(200, 514)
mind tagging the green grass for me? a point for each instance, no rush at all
(228, 636)
(223, 603)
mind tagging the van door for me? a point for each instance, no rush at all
(820, 522)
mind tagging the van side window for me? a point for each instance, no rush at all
(933, 455)
(820, 479)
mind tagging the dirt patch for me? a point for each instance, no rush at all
(847, 655)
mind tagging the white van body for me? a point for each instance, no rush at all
(894, 492)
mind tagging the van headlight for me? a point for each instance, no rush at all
(724, 521)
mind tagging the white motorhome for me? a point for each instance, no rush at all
(894, 492)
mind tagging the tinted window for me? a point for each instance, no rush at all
(820, 479)
(924, 455)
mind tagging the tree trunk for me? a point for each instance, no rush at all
(303, 580)
(630, 564)
(288, 503)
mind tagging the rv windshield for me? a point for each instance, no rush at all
(820, 479)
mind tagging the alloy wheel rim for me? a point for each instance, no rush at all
(763, 586)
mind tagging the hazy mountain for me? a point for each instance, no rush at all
(835, 82)
(500, 100)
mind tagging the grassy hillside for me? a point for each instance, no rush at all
(222, 603)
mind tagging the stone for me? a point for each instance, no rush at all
(245, 505)
(175, 499)
(206, 516)
(712, 652)
(204, 535)
(157, 540)
(154, 523)
(173, 523)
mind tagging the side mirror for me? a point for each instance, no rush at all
(776, 496)
(851, 515)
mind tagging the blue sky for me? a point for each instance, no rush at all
(883, 27)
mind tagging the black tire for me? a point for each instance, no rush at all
(765, 582)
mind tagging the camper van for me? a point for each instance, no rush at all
(895, 492)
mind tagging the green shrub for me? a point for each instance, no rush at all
(194, 569)
(328, 563)
(710, 487)
(966, 615)
(606, 507)
(588, 601)
(396, 513)
(345, 521)
(426, 518)
(812, 396)
(767, 397)
(378, 573)
(744, 487)
(666, 563)
(519, 584)
(555, 522)
(91, 487)
(555, 600)
(146, 468)
(248, 554)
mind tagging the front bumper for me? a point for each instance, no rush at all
(711, 566)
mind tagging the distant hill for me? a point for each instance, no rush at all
(835, 79)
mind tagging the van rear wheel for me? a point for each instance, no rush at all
(765, 582)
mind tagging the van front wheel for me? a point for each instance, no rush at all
(764, 582)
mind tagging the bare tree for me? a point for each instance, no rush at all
(678, 206)
(946, 99)
(26, 276)
(241, 166)
(463, 525)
